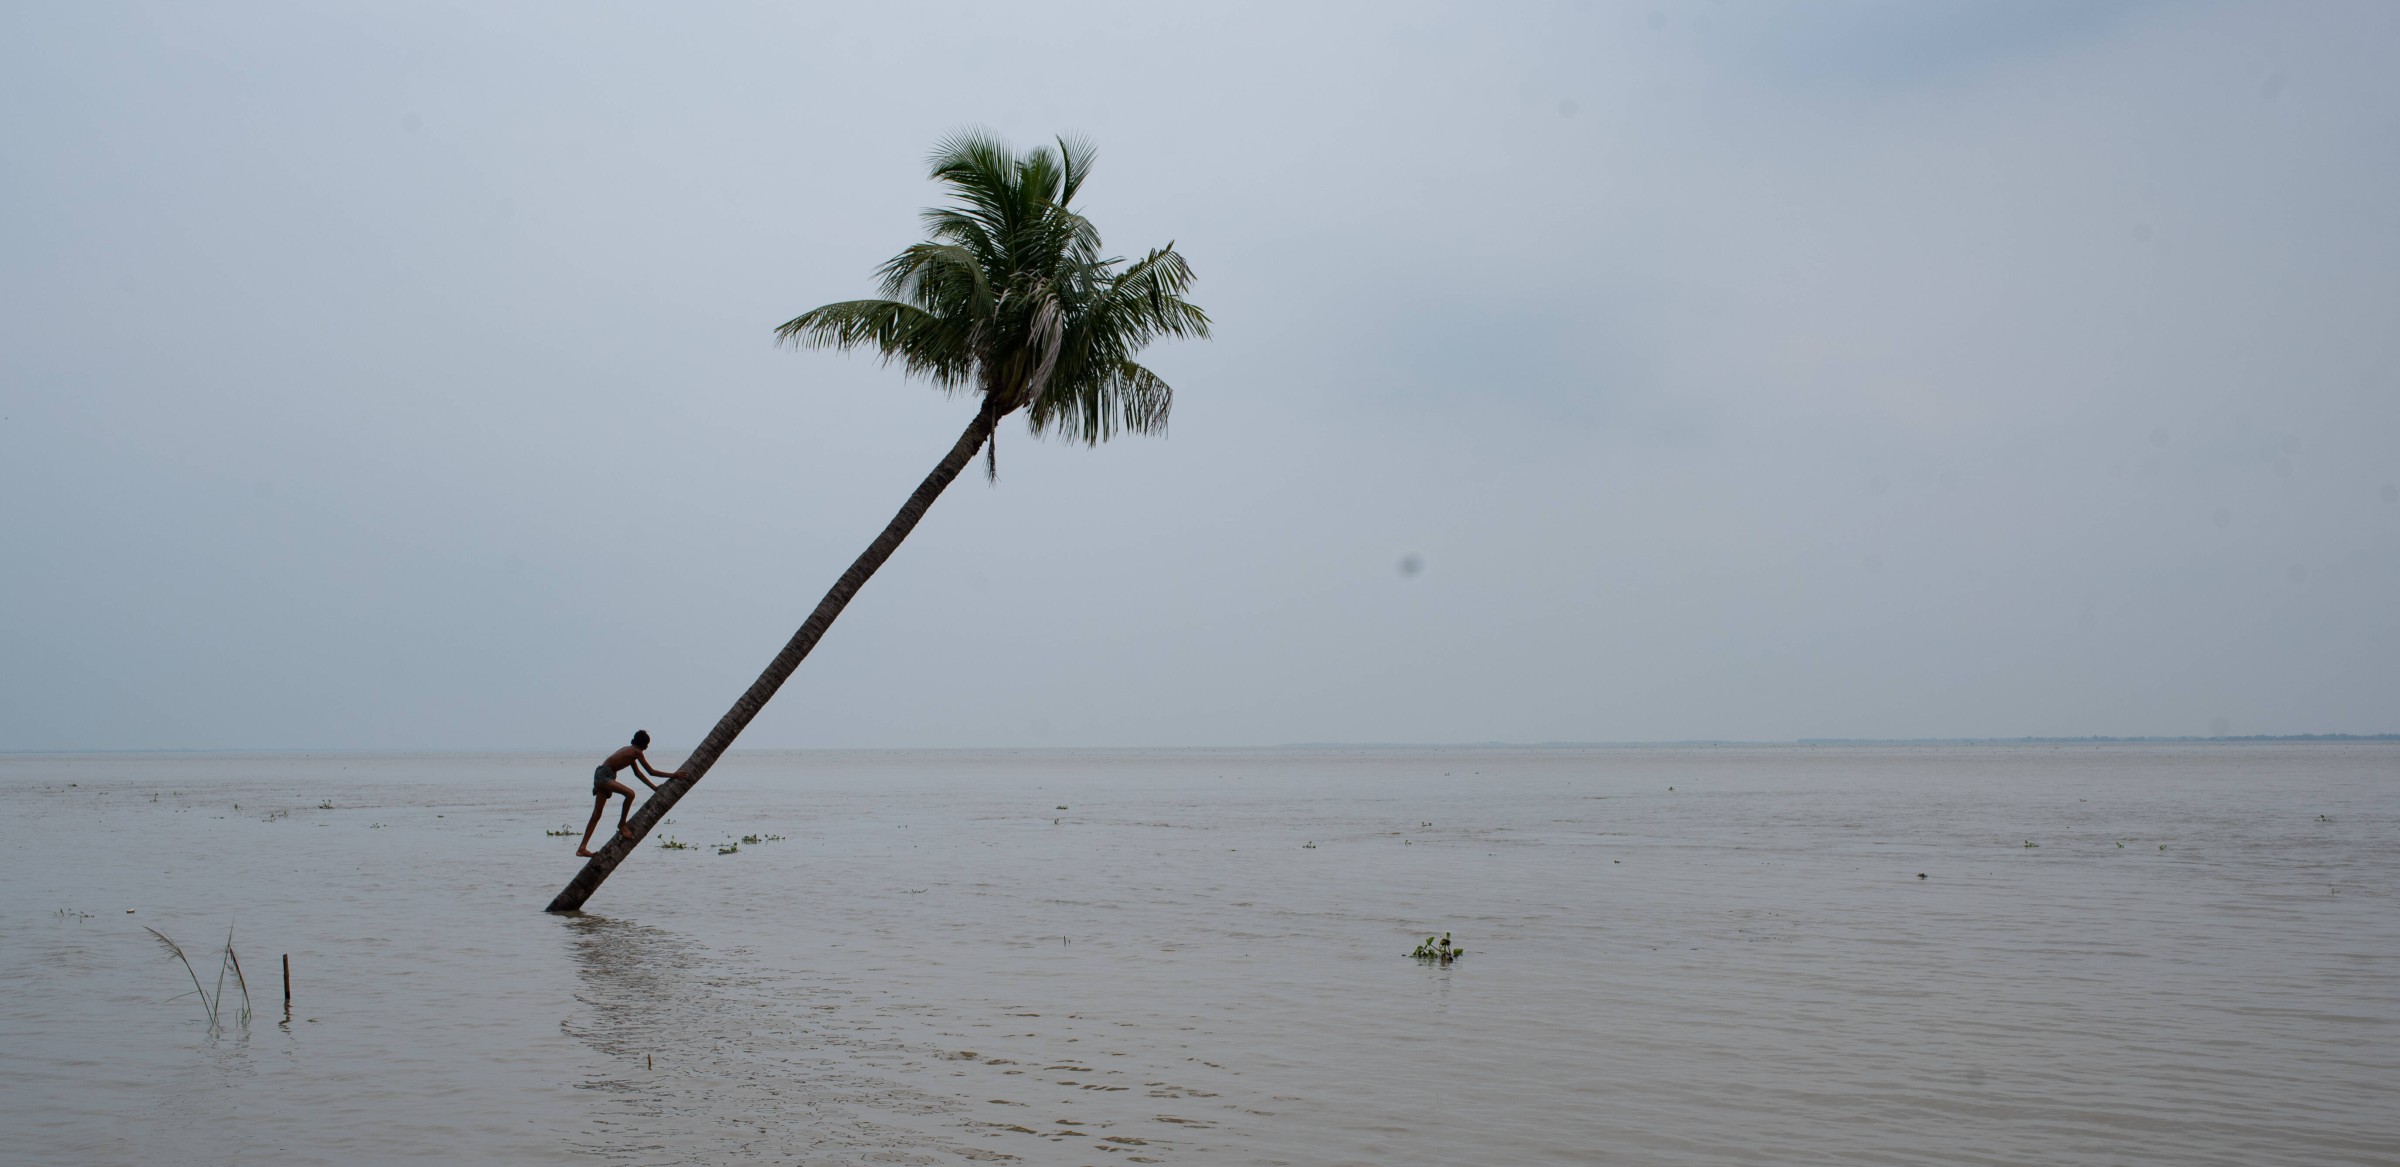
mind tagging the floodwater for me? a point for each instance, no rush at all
(1675, 956)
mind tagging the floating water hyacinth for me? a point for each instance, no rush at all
(1439, 951)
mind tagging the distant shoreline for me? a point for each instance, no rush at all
(1692, 743)
(1828, 741)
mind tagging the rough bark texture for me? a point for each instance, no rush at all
(778, 670)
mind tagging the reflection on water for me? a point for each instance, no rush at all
(708, 1061)
(1695, 956)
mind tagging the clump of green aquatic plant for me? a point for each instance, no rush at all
(2031, 844)
(670, 843)
(1437, 951)
(564, 831)
(211, 1003)
(325, 805)
(728, 848)
(750, 839)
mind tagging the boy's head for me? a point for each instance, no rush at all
(641, 739)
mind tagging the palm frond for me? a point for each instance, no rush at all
(1125, 397)
(1156, 284)
(943, 278)
(1077, 154)
(919, 341)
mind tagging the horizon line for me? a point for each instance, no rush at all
(2030, 739)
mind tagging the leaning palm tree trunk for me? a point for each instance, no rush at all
(780, 669)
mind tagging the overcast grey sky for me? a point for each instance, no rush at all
(403, 377)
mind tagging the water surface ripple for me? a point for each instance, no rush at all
(1677, 956)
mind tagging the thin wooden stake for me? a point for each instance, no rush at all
(287, 982)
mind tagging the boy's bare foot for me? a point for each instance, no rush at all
(583, 853)
(624, 830)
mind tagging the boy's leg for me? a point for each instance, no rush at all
(626, 813)
(583, 850)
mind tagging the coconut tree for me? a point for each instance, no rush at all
(1010, 299)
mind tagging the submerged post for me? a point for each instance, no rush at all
(287, 982)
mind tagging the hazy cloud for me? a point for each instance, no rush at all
(403, 377)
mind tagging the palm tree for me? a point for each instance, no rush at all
(1010, 299)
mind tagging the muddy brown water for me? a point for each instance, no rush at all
(1675, 956)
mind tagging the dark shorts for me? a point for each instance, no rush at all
(600, 780)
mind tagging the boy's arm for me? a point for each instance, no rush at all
(642, 762)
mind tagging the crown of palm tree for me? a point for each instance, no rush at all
(1011, 298)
